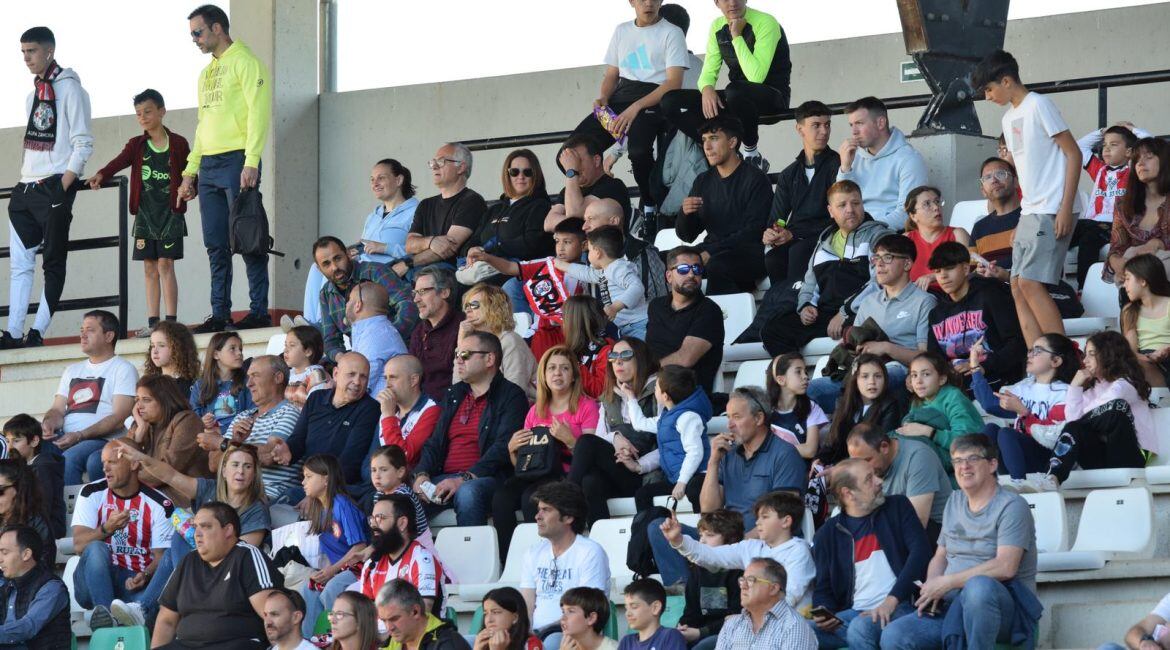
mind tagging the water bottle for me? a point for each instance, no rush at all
(121, 644)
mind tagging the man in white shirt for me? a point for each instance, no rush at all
(562, 559)
(283, 612)
(93, 399)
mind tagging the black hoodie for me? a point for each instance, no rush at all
(987, 312)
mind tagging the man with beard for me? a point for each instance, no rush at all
(868, 558)
(686, 327)
(907, 467)
(283, 612)
(397, 553)
(343, 274)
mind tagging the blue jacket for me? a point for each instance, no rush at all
(903, 541)
(670, 445)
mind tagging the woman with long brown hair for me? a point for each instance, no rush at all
(1142, 222)
(166, 427)
(584, 328)
(353, 622)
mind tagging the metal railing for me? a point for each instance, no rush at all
(119, 241)
(1101, 84)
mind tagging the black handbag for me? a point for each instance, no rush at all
(540, 457)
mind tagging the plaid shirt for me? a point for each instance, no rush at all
(403, 312)
(783, 628)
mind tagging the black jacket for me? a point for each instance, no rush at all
(517, 229)
(504, 415)
(804, 203)
(722, 591)
(49, 469)
(987, 312)
(56, 633)
(443, 637)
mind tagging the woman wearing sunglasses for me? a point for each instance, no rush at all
(604, 461)
(487, 309)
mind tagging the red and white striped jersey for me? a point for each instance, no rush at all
(1109, 186)
(149, 527)
(416, 565)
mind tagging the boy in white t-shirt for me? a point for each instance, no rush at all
(645, 60)
(1048, 164)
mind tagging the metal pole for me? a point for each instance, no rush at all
(327, 57)
(1102, 106)
(123, 271)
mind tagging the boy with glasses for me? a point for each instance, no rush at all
(685, 328)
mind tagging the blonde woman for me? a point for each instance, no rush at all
(487, 309)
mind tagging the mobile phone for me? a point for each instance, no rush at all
(822, 612)
(428, 489)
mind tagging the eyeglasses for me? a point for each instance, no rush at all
(885, 258)
(419, 292)
(376, 520)
(464, 355)
(439, 163)
(624, 355)
(1000, 175)
(471, 304)
(688, 269)
(750, 581)
(516, 171)
(931, 203)
(1037, 350)
(967, 460)
(336, 614)
(196, 33)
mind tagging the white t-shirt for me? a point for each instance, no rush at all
(1163, 608)
(89, 390)
(644, 53)
(584, 564)
(303, 645)
(1028, 130)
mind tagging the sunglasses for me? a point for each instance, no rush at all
(516, 171)
(197, 32)
(464, 355)
(624, 355)
(688, 269)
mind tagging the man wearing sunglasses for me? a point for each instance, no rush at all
(467, 454)
(235, 103)
(443, 224)
(685, 328)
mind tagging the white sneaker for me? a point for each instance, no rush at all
(1043, 483)
(129, 614)
(1017, 485)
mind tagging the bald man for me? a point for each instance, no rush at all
(602, 212)
(408, 416)
(371, 333)
(340, 423)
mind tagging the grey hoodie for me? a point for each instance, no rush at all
(887, 177)
(74, 144)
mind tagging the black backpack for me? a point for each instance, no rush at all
(639, 555)
(248, 225)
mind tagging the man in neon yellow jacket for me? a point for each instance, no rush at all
(235, 102)
(755, 49)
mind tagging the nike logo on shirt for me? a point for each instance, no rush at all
(170, 245)
(56, 205)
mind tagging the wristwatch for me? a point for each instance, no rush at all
(571, 173)
(466, 476)
(408, 261)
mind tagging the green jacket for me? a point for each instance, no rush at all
(951, 414)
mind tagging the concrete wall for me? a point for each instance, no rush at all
(320, 151)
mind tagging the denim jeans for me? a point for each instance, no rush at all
(515, 292)
(637, 329)
(98, 582)
(472, 501)
(858, 632)
(85, 456)
(987, 618)
(219, 183)
(671, 564)
(825, 392)
(322, 601)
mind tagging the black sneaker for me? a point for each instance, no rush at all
(7, 342)
(254, 321)
(33, 339)
(211, 326)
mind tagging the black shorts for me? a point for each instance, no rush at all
(154, 249)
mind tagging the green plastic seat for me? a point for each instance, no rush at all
(133, 638)
(476, 621)
(611, 625)
(322, 626)
(674, 610)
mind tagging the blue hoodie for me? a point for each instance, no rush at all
(670, 446)
(887, 177)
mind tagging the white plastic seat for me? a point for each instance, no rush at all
(966, 213)
(444, 519)
(688, 519)
(717, 424)
(808, 527)
(818, 366)
(522, 539)
(71, 492)
(744, 352)
(1158, 397)
(683, 506)
(276, 344)
(471, 553)
(67, 578)
(1099, 297)
(1158, 469)
(752, 373)
(1077, 327)
(1051, 523)
(668, 238)
(1092, 479)
(738, 311)
(624, 507)
(1114, 523)
(614, 537)
(818, 347)
(523, 323)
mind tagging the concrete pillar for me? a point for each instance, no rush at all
(953, 160)
(284, 35)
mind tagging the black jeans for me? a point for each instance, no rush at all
(1088, 238)
(785, 333)
(514, 493)
(788, 262)
(736, 270)
(646, 128)
(41, 213)
(600, 476)
(742, 99)
(644, 497)
(1102, 438)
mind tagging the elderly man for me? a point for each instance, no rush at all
(468, 452)
(767, 621)
(433, 341)
(216, 596)
(343, 275)
(745, 464)
(93, 399)
(273, 418)
(443, 224)
(868, 559)
(373, 335)
(685, 327)
(34, 603)
(980, 587)
(339, 423)
(907, 467)
(585, 182)
(408, 416)
(402, 610)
